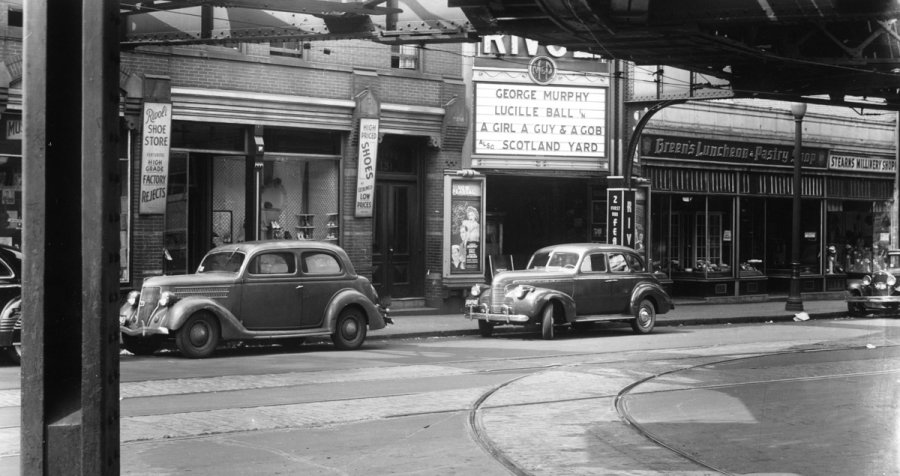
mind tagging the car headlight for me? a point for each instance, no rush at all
(866, 280)
(891, 280)
(134, 297)
(477, 289)
(521, 291)
(167, 298)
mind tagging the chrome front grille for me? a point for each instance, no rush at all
(149, 298)
(498, 293)
(215, 292)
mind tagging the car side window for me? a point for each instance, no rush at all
(319, 263)
(273, 263)
(635, 263)
(617, 263)
(5, 270)
(595, 263)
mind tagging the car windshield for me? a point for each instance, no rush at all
(553, 259)
(223, 262)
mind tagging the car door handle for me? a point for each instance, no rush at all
(299, 287)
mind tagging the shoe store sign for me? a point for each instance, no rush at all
(156, 133)
(368, 159)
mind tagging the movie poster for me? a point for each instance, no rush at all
(466, 227)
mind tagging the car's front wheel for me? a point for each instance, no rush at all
(350, 330)
(141, 345)
(644, 318)
(547, 322)
(856, 308)
(485, 328)
(199, 336)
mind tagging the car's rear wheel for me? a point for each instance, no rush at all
(141, 345)
(644, 318)
(199, 336)
(485, 328)
(350, 330)
(547, 322)
(13, 309)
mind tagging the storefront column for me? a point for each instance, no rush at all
(255, 150)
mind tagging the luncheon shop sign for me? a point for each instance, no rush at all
(533, 120)
(157, 130)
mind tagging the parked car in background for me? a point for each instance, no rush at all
(571, 284)
(276, 289)
(877, 290)
(11, 303)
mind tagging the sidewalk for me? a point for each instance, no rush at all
(408, 324)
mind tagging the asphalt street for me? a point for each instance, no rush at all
(820, 398)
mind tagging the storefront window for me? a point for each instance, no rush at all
(857, 236)
(752, 237)
(11, 187)
(299, 199)
(702, 237)
(779, 214)
(660, 226)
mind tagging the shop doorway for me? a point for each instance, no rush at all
(205, 208)
(397, 269)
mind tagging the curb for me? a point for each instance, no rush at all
(659, 323)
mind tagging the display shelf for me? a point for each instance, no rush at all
(333, 227)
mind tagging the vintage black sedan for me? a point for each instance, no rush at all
(11, 302)
(276, 289)
(877, 291)
(571, 284)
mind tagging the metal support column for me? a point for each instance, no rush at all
(70, 344)
(794, 300)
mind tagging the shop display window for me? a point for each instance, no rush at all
(299, 199)
(779, 218)
(11, 189)
(858, 236)
(701, 238)
(752, 237)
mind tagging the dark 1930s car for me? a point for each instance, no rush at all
(11, 302)
(875, 291)
(571, 284)
(277, 289)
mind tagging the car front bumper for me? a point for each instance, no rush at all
(143, 331)
(874, 299)
(476, 311)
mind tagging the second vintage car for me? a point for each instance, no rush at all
(570, 284)
(276, 289)
(877, 290)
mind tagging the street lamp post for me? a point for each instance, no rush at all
(794, 301)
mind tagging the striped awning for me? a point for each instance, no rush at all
(198, 21)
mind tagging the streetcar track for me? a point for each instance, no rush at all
(480, 436)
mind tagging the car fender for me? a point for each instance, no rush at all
(856, 287)
(184, 308)
(7, 321)
(350, 297)
(533, 302)
(655, 293)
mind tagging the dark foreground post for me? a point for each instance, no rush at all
(70, 364)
